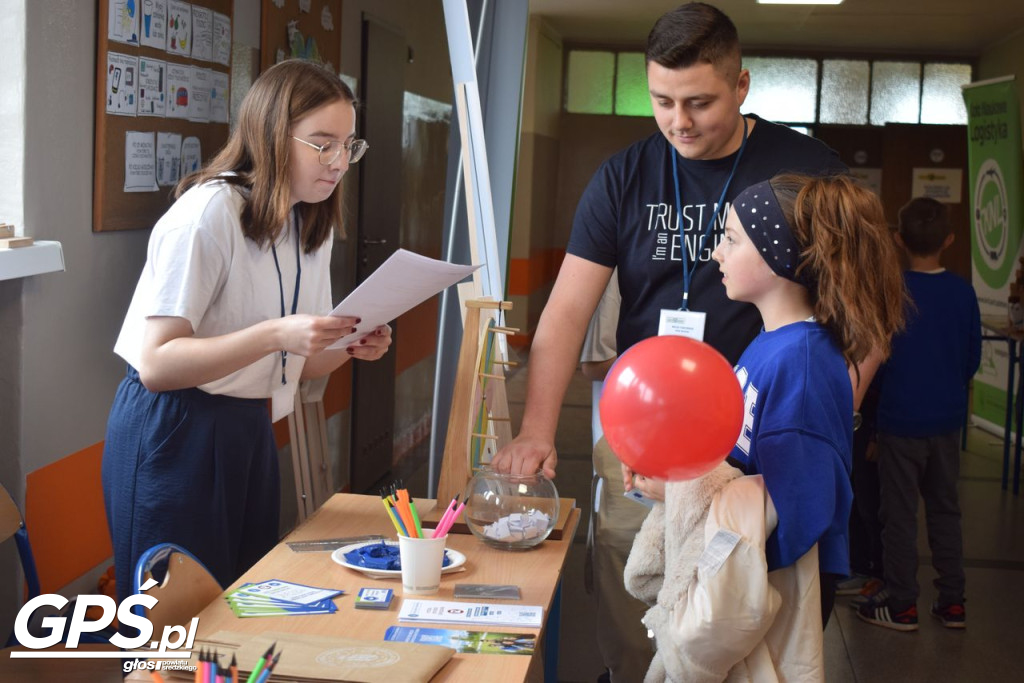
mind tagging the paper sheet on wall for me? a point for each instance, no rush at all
(402, 282)
(179, 88)
(152, 79)
(168, 158)
(121, 83)
(191, 155)
(199, 105)
(123, 22)
(154, 24)
(139, 162)
(179, 27)
(219, 94)
(221, 38)
(202, 33)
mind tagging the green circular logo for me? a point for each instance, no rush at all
(991, 225)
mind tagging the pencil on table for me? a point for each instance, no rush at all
(416, 518)
(258, 669)
(270, 668)
(413, 519)
(451, 520)
(391, 514)
(402, 507)
(445, 516)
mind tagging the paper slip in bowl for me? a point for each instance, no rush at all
(456, 565)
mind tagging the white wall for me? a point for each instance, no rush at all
(58, 372)
(71, 319)
(1004, 59)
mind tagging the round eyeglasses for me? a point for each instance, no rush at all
(331, 150)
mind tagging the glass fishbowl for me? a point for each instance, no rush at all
(511, 511)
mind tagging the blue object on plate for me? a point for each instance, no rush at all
(381, 556)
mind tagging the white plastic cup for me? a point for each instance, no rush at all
(421, 564)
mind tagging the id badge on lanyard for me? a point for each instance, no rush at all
(682, 321)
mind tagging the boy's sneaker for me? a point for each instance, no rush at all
(887, 615)
(873, 589)
(852, 585)
(951, 616)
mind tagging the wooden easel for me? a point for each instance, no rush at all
(478, 423)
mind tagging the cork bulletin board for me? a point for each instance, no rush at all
(308, 29)
(162, 71)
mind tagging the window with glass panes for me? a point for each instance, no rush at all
(799, 91)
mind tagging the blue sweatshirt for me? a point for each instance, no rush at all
(923, 385)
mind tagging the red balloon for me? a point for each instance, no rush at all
(671, 408)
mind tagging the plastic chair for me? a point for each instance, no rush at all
(12, 524)
(185, 586)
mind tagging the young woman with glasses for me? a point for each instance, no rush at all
(232, 309)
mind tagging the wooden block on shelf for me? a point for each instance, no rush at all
(6, 230)
(15, 242)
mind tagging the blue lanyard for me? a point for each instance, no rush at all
(688, 269)
(280, 284)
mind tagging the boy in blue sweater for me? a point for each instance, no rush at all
(921, 409)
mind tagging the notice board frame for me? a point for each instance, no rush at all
(113, 208)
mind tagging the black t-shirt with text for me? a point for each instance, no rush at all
(627, 218)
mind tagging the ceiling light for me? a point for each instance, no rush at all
(799, 2)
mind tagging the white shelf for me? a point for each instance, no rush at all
(41, 257)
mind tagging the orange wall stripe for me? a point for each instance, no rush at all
(65, 517)
(417, 335)
(338, 396)
(528, 275)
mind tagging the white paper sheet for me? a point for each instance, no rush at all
(403, 281)
(477, 613)
(139, 162)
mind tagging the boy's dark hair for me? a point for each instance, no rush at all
(924, 226)
(694, 33)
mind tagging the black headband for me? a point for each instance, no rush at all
(762, 218)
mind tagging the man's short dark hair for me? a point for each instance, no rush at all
(691, 34)
(924, 226)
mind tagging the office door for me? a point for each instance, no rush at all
(384, 58)
(943, 150)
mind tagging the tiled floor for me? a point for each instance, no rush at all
(990, 649)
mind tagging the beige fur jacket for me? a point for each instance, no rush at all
(716, 613)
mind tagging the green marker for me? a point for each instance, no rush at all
(259, 665)
(416, 518)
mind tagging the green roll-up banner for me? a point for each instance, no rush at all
(994, 158)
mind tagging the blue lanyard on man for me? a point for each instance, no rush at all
(689, 268)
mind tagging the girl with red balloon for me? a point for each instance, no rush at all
(740, 569)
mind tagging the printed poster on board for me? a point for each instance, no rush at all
(994, 186)
(121, 84)
(153, 30)
(152, 96)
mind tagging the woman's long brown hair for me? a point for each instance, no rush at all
(849, 257)
(257, 152)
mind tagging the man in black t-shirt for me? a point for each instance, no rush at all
(655, 211)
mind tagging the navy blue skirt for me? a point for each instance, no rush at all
(190, 468)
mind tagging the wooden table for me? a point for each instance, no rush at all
(18, 670)
(537, 572)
